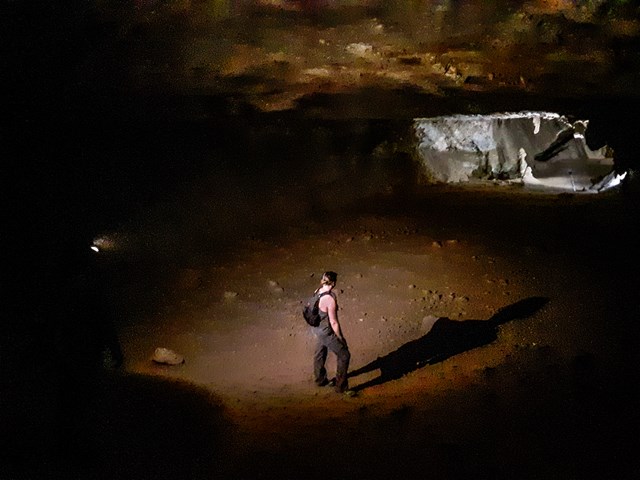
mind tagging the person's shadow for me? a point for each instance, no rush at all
(445, 339)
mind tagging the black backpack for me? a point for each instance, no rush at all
(310, 311)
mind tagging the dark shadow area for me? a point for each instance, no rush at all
(445, 339)
(131, 426)
(68, 412)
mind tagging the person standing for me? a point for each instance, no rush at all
(329, 337)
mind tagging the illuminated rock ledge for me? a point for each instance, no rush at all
(533, 148)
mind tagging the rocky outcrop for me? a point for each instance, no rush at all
(537, 148)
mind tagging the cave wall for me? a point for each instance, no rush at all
(504, 146)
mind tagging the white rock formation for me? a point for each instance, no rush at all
(535, 148)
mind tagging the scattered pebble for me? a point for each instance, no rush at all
(428, 321)
(166, 356)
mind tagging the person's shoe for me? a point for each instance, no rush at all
(347, 392)
(327, 383)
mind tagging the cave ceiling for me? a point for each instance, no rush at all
(275, 56)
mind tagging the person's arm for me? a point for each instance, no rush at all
(332, 310)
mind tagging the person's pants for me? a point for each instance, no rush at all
(327, 341)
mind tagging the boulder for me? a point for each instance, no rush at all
(167, 357)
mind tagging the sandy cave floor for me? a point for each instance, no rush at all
(549, 398)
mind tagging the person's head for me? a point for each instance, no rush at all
(329, 278)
